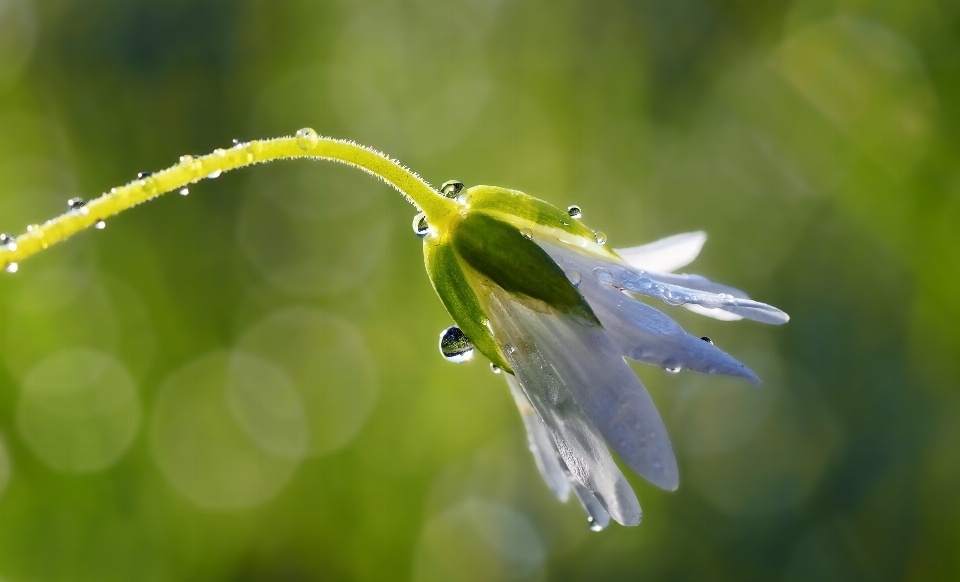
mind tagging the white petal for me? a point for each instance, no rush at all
(559, 355)
(663, 285)
(578, 443)
(645, 334)
(717, 314)
(667, 254)
(599, 519)
(545, 454)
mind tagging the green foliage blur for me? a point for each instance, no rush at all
(243, 384)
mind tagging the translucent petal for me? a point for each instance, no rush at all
(645, 334)
(662, 286)
(667, 254)
(717, 314)
(545, 454)
(570, 355)
(542, 376)
(599, 519)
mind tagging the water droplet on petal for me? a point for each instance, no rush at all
(214, 174)
(142, 175)
(451, 188)
(420, 226)
(455, 346)
(8, 242)
(600, 237)
(672, 369)
(509, 349)
(11, 268)
(574, 211)
(603, 275)
(708, 340)
(306, 137)
(527, 233)
(574, 277)
(75, 203)
(100, 225)
(594, 525)
(184, 191)
(495, 368)
(672, 299)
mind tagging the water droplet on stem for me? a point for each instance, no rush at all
(8, 242)
(100, 225)
(495, 368)
(75, 203)
(12, 268)
(184, 191)
(420, 226)
(451, 188)
(306, 137)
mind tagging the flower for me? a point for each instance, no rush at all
(545, 299)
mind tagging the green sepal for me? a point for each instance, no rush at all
(498, 251)
(457, 294)
(508, 204)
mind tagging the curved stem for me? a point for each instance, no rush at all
(306, 144)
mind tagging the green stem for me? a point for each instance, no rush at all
(306, 144)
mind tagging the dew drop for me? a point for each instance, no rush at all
(75, 203)
(672, 369)
(142, 175)
(600, 237)
(455, 346)
(186, 159)
(574, 211)
(214, 174)
(306, 137)
(594, 525)
(673, 300)
(420, 226)
(603, 275)
(236, 142)
(451, 188)
(509, 349)
(12, 268)
(708, 340)
(527, 233)
(32, 227)
(184, 191)
(100, 225)
(574, 277)
(8, 242)
(220, 152)
(495, 368)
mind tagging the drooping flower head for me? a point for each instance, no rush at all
(544, 298)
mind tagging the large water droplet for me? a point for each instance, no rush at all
(420, 226)
(594, 525)
(527, 233)
(451, 188)
(708, 340)
(306, 137)
(495, 368)
(574, 277)
(600, 237)
(12, 268)
(574, 211)
(455, 346)
(214, 174)
(8, 242)
(100, 225)
(75, 203)
(184, 191)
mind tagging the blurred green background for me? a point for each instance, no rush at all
(244, 384)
